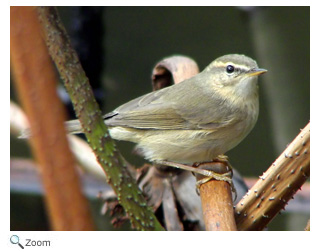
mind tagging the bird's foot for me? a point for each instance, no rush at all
(219, 169)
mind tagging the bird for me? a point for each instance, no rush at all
(193, 121)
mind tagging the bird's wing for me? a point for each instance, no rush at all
(147, 112)
(171, 108)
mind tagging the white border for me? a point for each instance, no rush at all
(166, 241)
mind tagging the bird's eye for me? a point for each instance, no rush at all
(230, 69)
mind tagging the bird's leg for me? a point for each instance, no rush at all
(218, 169)
(185, 167)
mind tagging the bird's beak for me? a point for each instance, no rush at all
(256, 71)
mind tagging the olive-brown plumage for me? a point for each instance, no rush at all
(195, 120)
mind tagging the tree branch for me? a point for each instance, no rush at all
(36, 84)
(87, 110)
(276, 186)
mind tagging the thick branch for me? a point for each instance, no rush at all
(217, 206)
(36, 84)
(216, 200)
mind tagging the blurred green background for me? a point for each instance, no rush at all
(131, 40)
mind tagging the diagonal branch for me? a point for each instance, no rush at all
(276, 186)
(87, 110)
(35, 81)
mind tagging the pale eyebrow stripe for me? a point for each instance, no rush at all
(224, 64)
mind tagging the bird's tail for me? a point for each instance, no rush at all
(72, 127)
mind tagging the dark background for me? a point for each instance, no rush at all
(121, 45)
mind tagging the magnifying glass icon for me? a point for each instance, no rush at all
(14, 239)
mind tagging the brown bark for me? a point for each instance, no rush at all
(276, 186)
(217, 206)
(36, 85)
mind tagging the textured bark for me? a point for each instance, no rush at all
(36, 84)
(276, 186)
